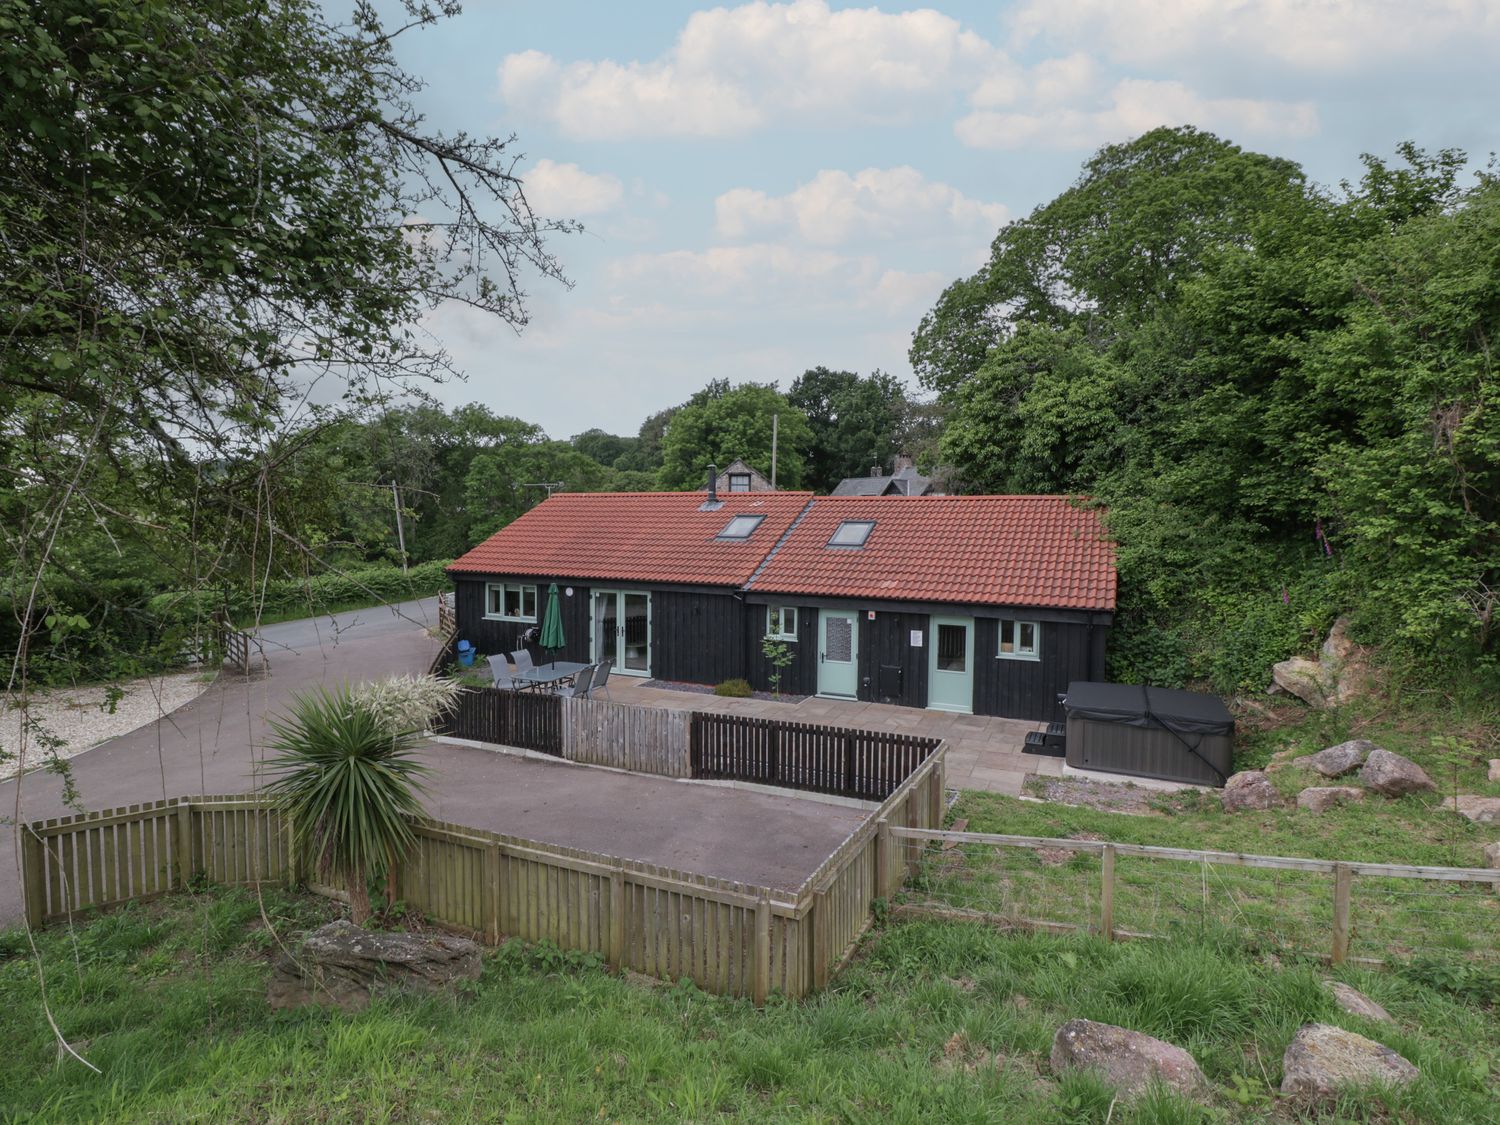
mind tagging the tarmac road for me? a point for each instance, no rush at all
(212, 744)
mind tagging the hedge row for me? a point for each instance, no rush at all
(309, 596)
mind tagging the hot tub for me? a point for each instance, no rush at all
(1149, 732)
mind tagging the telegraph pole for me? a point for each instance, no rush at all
(400, 532)
(775, 426)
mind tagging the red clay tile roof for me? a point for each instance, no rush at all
(976, 550)
(636, 536)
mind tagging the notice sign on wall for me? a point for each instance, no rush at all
(916, 638)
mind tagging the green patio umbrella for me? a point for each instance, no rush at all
(552, 630)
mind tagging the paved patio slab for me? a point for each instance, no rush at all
(984, 751)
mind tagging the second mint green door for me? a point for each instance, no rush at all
(950, 670)
(838, 653)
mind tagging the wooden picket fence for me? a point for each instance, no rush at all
(528, 720)
(851, 763)
(141, 852)
(642, 739)
(728, 937)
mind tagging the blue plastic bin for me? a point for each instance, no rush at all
(465, 654)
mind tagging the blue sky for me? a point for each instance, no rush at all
(771, 186)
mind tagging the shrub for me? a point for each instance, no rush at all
(348, 780)
(735, 689)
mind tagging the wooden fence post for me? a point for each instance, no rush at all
(33, 877)
(773, 757)
(1107, 893)
(762, 984)
(935, 787)
(883, 858)
(849, 748)
(184, 848)
(1343, 882)
(491, 894)
(819, 943)
(617, 918)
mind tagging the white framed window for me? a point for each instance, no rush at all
(509, 601)
(781, 622)
(1020, 640)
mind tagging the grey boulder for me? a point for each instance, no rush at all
(1128, 1060)
(1322, 1060)
(1308, 680)
(1492, 855)
(1249, 789)
(1480, 810)
(1392, 775)
(1341, 759)
(1321, 798)
(1356, 1003)
(343, 965)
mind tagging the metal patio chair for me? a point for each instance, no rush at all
(521, 658)
(500, 673)
(579, 688)
(601, 679)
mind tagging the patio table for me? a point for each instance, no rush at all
(549, 675)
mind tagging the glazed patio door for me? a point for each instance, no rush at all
(622, 630)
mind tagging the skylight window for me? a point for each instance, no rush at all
(741, 527)
(852, 533)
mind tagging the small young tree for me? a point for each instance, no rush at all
(349, 781)
(780, 656)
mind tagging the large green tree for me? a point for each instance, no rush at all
(1284, 394)
(212, 215)
(1113, 248)
(721, 423)
(856, 423)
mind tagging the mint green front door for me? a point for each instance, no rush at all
(838, 653)
(950, 669)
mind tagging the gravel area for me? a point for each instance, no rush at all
(81, 718)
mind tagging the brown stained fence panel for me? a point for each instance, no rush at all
(525, 719)
(870, 765)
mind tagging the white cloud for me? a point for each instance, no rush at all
(736, 69)
(1132, 107)
(731, 281)
(835, 208)
(566, 190)
(1313, 34)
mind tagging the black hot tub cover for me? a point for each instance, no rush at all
(1134, 705)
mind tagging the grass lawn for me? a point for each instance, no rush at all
(932, 1022)
(1274, 909)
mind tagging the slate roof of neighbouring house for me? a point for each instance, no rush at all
(636, 536)
(1045, 551)
(907, 482)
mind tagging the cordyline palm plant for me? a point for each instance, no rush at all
(348, 782)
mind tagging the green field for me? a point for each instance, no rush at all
(949, 1022)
